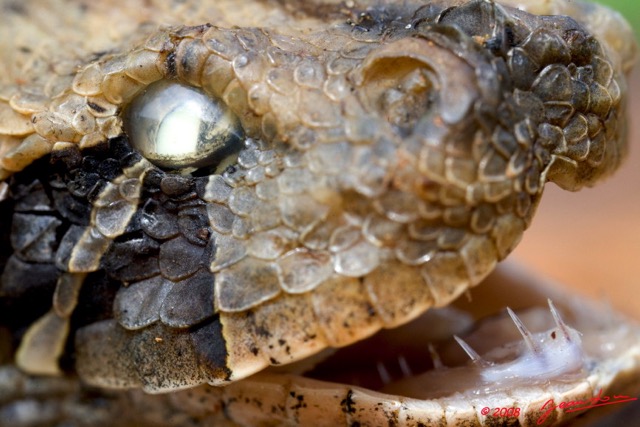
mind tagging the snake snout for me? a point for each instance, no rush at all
(608, 25)
(477, 101)
(591, 141)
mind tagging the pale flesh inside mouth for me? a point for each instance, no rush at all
(549, 339)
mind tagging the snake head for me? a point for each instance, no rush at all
(203, 201)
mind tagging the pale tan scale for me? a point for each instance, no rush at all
(384, 171)
(280, 346)
(20, 156)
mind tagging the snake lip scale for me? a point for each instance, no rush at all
(264, 212)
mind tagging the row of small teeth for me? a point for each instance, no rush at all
(535, 350)
(527, 336)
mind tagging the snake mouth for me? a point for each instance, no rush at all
(478, 346)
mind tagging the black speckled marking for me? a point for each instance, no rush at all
(95, 107)
(171, 64)
(211, 349)
(348, 404)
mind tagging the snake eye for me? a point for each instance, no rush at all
(179, 127)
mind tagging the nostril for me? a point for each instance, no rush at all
(413, 80)
(404, 104)
(402, 90)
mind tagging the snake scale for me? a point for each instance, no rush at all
(199, 200)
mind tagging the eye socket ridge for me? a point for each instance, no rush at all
(179, 127)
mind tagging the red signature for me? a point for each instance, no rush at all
(579, 405)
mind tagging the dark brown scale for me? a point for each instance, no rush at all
(83, 183)
(178, 258)
(194, 225)
(558, 113)
(176, 186)
(109, 169)
(580, 95)
(138, 305)
(188, 302)
(600, 100)
(553, 84)
(132, 258)
(546, 47)
(157, 221)
(582, 46)
(520, 66)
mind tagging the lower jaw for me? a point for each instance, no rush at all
(422, 361)
(391, 378)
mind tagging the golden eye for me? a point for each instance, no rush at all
(179, 127)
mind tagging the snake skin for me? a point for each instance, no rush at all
(393, 154)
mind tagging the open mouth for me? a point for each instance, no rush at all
(477, 359)
(542, 366)
(431, 366)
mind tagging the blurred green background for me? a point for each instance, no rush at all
(630, 9)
